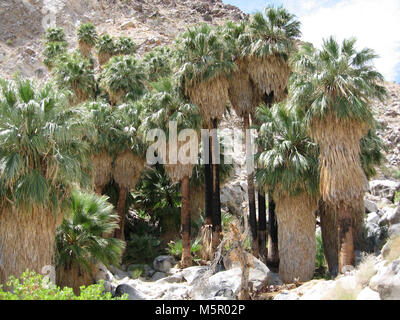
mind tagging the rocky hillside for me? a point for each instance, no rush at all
(148, 22)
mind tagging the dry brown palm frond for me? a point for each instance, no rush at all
(26, 240)
(115, 97)
(177, 171)
(103, 57)
(197, 201)
(269, 74)
(296, 235)
(342, 179)
(206, 252)
(211, 97)
(74, 277)
(102, 168)
(241, 93)
(127, 169)
(85, 48)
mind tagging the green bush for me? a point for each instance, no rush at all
(142, 249)
(33, 286)
(175, 249)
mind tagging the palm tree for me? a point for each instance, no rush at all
(52, 51)
(371, 156)
(75, 73)
(87, 38)
(129, 158)
(42, 155)
(335, 86)
(204, 64)
(79, 241)
(125, 46)
(54, 45)
(161, 107)
(54, 35)
(289, 167)
(103, 141)
(262, 49)
(105, 49)
(123, 77)
(158, 63)
(200, 200)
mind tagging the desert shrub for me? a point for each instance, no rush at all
(33, 286)
(366, 270)
(393, 251)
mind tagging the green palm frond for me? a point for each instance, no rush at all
(41, 149)
(87, 33)
(55, 35)
(105, 44)
(372, 148)
(158, 63)
(164, 104)
(74, 72)
(124, 75)
(336, 79)
(80, 237)
(125, 46)
(201, 54)
(273, 32)
(288, 158)
(52, 51)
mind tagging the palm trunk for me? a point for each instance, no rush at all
(74, 277)
(119, 233)
(185, 224)
(273, 251)
(99, 190)
(208, 183)
(216, 203)
(262, 227)
(345, 237)
(251, 199)
(329, 237)
(296, 231)
(26, 240)
(206, 251)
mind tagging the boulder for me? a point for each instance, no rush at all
(192, 274)
(384, 188)
(158, 276)
(373, 217)
(164, 263)
(393, 216)
(370, 206)
(131, 291)
(387, 281)
(127, 25)
(222, 283)
(394, 230)
(368, 294)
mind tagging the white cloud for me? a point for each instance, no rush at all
(375, 23)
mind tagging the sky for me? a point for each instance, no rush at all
(375, 24)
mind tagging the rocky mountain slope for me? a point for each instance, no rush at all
(148, 22)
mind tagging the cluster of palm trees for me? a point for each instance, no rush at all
(311, 108)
